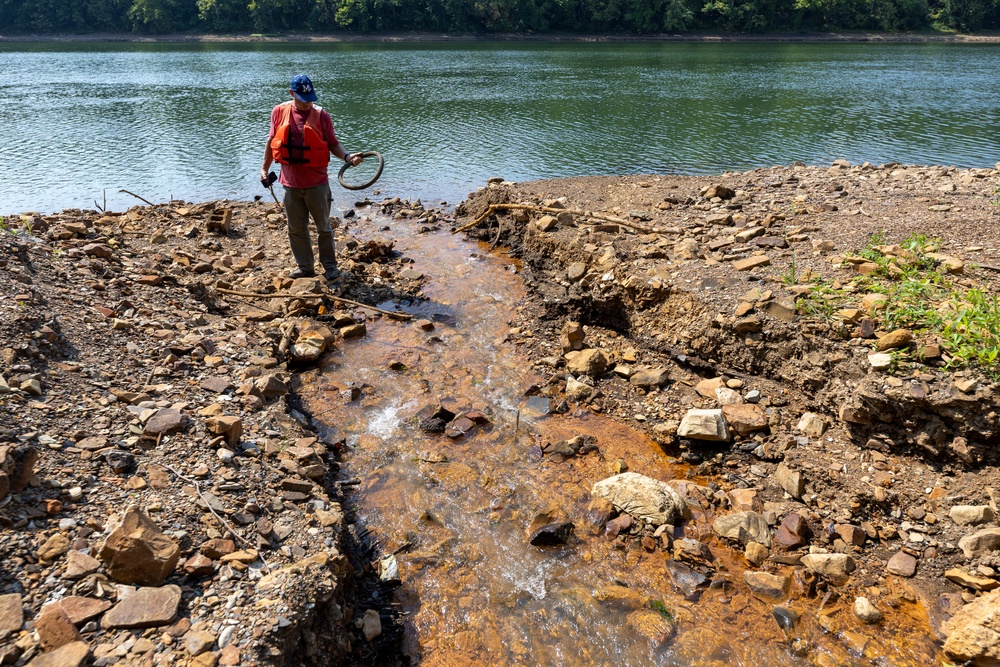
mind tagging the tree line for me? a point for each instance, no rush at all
(635, 17)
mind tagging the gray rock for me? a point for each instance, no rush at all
(971, 515)
(834, 567)
(704, 425)
(642, 497)
(371, 625)
(980, 542)
(866, 611)
(648, 378)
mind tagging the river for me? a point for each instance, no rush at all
(82, 121)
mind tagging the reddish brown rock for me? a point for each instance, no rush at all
(79, 565)
(165, 422)
(198, 565)
(228, 426)
(902, 565)
(18, 463)
(136, 550)
(145, 608)
(74, 654)
(54, 628)
(11, 613)
(217, 548)
(745, 418)
(82, 609)
(793, 532)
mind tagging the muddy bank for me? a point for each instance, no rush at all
(163, 497)
(755, 325)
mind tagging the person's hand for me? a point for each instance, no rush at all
(354, 159)
(263, 174)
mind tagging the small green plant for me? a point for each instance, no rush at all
(996, 197)
(661, 608)
(3, 224)
(790, 277)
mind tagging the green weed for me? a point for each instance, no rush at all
(658, 606)
(921, 296)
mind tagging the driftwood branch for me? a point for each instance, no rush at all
(493, 208)
(286, 295)
(138, 197)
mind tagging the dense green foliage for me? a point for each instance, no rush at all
(494, 16)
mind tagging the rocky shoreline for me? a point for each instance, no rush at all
(162, 499)
(739, 320)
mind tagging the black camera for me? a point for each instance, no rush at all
(271, 178)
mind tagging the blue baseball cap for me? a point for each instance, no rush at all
(303, 88)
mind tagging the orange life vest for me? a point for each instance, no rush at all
(314, 150)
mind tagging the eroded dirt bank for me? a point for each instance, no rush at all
(763, 326)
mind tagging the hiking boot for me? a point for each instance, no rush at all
(300, 273)
(331, 273)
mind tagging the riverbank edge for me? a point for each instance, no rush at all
(408, 38)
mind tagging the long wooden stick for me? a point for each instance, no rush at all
(138, 197)
(493, 208)
(285, 295)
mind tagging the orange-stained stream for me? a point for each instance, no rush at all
(455, 512)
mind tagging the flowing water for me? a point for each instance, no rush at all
(81, 120)
(455, 512)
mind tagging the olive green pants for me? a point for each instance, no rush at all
(300, 204)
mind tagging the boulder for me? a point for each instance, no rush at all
(228, 426)
(707, 425)
(902, 565)
(866, 612)
(792, 481)
(17, 465)
(645, 498)
(136, 551)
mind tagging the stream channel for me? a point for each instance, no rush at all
(455, 511)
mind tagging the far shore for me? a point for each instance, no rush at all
(818, 37)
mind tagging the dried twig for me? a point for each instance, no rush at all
(138, 197)
(197, 487)
(493, 208)
(286, 295)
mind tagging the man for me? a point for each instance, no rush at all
(301, 141)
